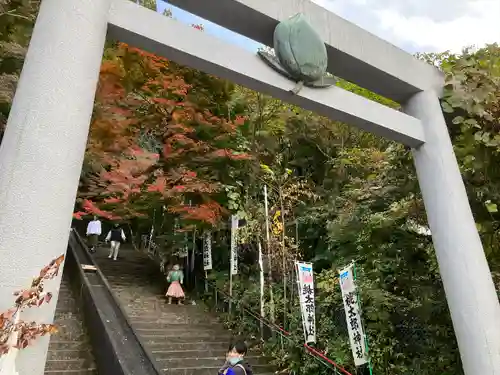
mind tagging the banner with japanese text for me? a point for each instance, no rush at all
(207, 250)
(305, 281)
(234, 245)
(353, 315)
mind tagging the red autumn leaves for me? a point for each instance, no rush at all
(142, 94)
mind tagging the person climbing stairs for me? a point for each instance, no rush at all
(183, 339)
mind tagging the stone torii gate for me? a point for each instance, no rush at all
(43, 147)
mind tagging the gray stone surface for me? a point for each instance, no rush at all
(42, 150)
(166, 37)
(354, 53)
(470, 292)
(183, 339)
(69, 349)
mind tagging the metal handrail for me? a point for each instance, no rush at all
(316, 354)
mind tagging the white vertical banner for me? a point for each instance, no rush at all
(261, 268)
(353, 315)
(305, 282)
(207, 250)
(234, 245)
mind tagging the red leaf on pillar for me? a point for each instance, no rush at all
(78, 215)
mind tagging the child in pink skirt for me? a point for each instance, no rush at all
(175, 277)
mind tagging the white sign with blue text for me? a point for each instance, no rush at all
(207, 250)
(353, 315)
(305, 281)
(234, 245)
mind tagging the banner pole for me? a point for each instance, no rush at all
(359, 307)
(231, 266)
(206, 281)
(231, 278)
(261, 289)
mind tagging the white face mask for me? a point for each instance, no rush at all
(234, 360)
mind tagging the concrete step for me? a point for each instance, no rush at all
(214, 352)
(70, 364)
(117, 289)
(131, 286)
(57, 344)
(69, 349)
(66, 315)
(209, 370)
(69, 335)
(218, 352)
(160, 346)
(67, 304)
(175, 327)
(175, 339)
(64, 354)
(138, 297)
(143, 307)
(185, 340)
(192, 370)
(64, 295)
(187, 311)
(205, 361)
(124, 292)
(70, 323)
(181, 311)
(129, 278)
(186, 335)
(71, 372)
(164, 318)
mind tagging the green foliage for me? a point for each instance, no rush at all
(150, 4)
(16, 24)
(366, 207)
(472, 106)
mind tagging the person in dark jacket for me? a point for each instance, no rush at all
(116, 236)
(235, 360)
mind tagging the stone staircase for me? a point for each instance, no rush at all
(184, 340)
(69, 349)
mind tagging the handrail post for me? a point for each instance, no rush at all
(206, 282)
(216, 304)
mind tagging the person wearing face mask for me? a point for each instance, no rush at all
(235, 360)
(175, 277)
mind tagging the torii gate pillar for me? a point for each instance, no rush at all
(42, 152)
(467, 281)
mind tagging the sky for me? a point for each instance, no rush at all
(413, 25)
